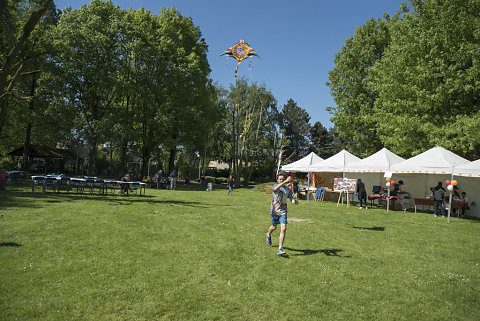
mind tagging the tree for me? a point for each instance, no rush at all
(86, 68)
(295, 124)
(350, 85)
(250, 109)
(190, 108)
(429, 80)
(322, 141)
(12, 50)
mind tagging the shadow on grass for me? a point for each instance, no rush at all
(30, 200)
(10, 244)
(327, 252)
(375, 228)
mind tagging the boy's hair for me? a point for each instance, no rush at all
(400, 182)
(464, 193)
(281, 174)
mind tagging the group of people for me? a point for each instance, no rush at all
(159, 181)
(441, 200)
(396, 192)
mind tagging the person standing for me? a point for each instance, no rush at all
(230, 185)
(438, 193)
(362, 193)
(295, 190)
(202, 181)
(173, 179)
(278, 210)
(396, 190)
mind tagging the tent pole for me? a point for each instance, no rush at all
(388, 198)
(308, 186)
(450, 198)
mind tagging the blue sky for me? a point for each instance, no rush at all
(296, 40)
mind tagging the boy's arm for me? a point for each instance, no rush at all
(285, 182)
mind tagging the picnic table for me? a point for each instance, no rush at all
(430, 202)
(81, 185)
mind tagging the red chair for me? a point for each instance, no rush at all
(377, 195)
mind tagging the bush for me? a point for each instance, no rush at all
(6, 163)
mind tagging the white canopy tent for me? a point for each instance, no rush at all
(336, 163)
(436, 160)
(468, 177)
(371, 168)
(379, 162)
(303, 165)
(468, 170)
(438, 163)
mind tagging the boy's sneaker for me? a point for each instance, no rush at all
(269, 240)
(281, 252)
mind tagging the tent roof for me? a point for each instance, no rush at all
(303, 165)
(44, 152)
(471, 169)
(336, 163)
(436, 160)
(379, 162)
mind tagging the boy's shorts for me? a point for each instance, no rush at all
(279, 219)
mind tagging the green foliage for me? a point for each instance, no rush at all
(22, 60)
(177, 255)
(252, 122)
(411, 82)
(132, 80)
(6, 163)
(429, 80)
(350, 88)
(325, 143)
(294, 121)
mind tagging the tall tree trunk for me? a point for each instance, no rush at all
(171, 160)
(92, 156)
(110, 170)
(28, 134)
(146, 153)
(147, 148)
(234, 151)
(123, 157)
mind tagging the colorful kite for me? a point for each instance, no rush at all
(240, 51)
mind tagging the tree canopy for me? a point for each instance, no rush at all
(410, 82)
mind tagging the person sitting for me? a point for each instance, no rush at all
(124, 188)
(163, 182)
(446, 205)
(464, 199)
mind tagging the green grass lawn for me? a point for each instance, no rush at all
(191, 255)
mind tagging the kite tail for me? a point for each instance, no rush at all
(250, 64)
(236, 69)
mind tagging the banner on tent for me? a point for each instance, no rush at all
(345, 184)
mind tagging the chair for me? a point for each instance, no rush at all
(393, 200)
(38, 180)
(376, 195)
(63, 183)
(320, 194)
(78, 184)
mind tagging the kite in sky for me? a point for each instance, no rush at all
(240, 51)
